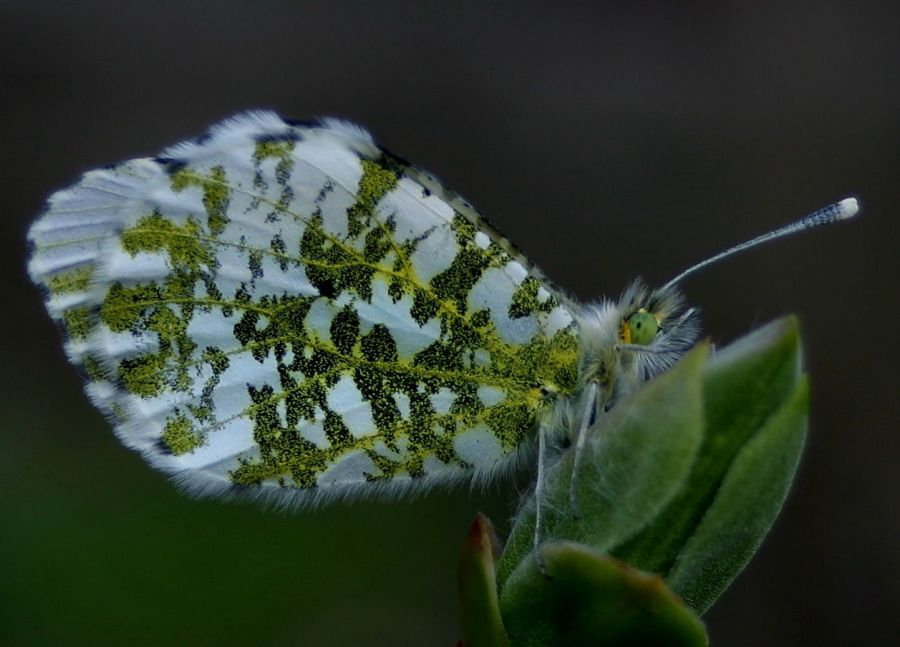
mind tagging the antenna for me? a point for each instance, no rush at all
(846, 208)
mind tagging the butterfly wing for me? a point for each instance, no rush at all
(286, 309)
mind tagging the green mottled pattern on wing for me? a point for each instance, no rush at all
(290, 305)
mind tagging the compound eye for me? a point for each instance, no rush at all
(642, 327)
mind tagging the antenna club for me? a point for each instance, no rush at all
(847, 208)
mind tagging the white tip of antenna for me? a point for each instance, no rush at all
(848, 207)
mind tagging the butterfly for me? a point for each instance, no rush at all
(286, 310)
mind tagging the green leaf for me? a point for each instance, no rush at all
(743, 386)
(746, 505)
(477, 586)
(634, 462)
(586, 598)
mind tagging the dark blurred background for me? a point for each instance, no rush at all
(607, 143)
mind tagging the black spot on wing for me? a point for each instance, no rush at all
(345, 330)
(390, 162)
(287, 136)
(171, 165)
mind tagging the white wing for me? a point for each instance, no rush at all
(287, 309)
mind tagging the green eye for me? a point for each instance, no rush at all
(643, 327)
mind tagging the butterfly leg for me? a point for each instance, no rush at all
(588, 417)
(637, 348)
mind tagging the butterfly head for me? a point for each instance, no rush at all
(630, 340)
(656, 327)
